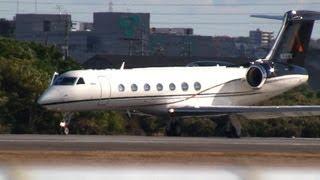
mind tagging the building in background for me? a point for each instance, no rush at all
(121, 33)
(192, 46)
(182, 42)
(261, 38)
(44, 28)
(176, 31)
(81, 26)
(260, 43)
(7, 28)
(110, 33)
(129, 34)
(181, 45)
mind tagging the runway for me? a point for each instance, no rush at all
(166, 151)
(149, 144)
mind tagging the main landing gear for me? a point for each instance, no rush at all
(64, 124)
(174, 127)
(233, 129)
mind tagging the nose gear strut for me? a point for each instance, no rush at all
(64, 124)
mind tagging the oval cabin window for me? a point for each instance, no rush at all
(147, 87)
(184, 86)
(172, 87)
(159, 87)
(134, 87)
(121, 88)
(197, 86)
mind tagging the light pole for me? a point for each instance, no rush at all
(36, 6)
(18, 4)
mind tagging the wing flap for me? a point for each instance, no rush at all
(249, 112)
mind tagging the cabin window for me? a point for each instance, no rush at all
(172, 87)
(147, 87)
(197, 86)
(121, 88)
(65, 81)
(81, 81)
(184, 86)
(159, 87)
(134, 87)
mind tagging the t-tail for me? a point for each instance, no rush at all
(292, 43)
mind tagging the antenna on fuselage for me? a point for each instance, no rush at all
(122, 65)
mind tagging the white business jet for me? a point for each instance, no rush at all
(196, 91)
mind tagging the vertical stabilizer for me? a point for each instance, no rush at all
(292, 42)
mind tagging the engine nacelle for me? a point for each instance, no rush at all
(256, 76)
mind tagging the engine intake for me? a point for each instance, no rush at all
(256, 76)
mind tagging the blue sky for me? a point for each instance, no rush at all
(232, 19)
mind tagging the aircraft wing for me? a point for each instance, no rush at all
(249, 112)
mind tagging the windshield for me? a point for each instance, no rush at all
(64, 81)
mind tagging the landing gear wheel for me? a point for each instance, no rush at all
(173, 128)
(66, 131)
(65, 123)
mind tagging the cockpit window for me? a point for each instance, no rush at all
(65, 81)
(81, 81)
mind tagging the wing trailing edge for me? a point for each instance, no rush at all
(249, 112)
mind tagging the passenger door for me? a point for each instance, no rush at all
(105, 91)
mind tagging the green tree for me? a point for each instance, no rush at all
(98, 122)
(198, 127)
(25, 72)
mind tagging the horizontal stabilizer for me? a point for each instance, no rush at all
(267, 17)
(249, 112)
(292, 15)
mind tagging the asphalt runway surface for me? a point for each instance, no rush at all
(159, 144)
(157, 151)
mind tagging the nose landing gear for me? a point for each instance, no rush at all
(64, 124)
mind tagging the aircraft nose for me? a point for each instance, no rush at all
(49, 96)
